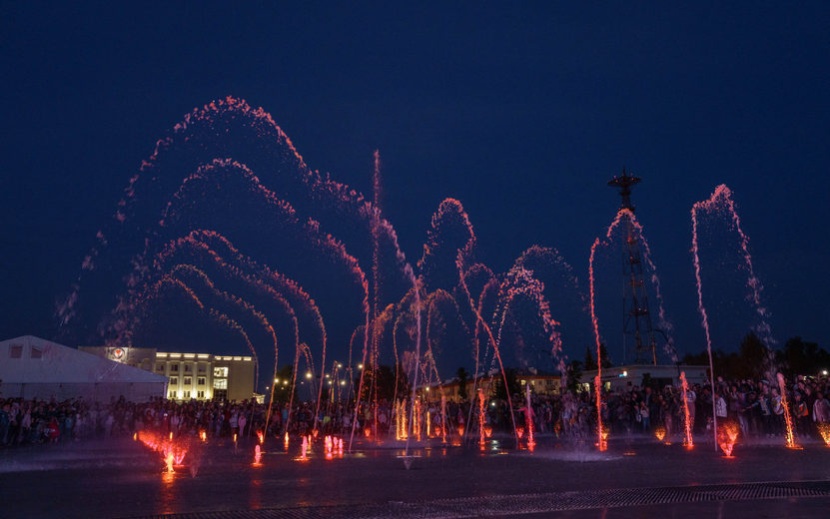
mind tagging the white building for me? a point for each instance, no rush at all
(190, 376)
(31, 367)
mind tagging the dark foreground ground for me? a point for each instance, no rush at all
(636, 477)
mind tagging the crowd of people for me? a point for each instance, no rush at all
(757, 406)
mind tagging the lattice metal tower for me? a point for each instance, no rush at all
(636, 316)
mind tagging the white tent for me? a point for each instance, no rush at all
(31, 367)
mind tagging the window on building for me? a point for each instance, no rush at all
(187, 394)
(188, 381)
(220, 372)
(200, 394)
(16, 351)
(202, 367)
(174, 367)
(160, 367)
(187, 368)
(220, 383)
(171, 394)
(37, 353)
(200, 381)
(174, 381)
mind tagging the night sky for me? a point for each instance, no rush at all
(521, 110)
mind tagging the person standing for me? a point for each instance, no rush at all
(821, 410)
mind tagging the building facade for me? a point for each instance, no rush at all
(541, 385)
(191, 376)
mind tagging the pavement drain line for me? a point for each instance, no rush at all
(457, 508)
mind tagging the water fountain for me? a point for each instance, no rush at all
(721, 203)
(189, 247)
(688, 441)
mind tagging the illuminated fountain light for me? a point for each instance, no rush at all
(824, 432)
(531, 442)
(727, 437)
(304, 448)
(660, 433)
(688, 441)
(443, 419)
(257, 456)
(285, 441)
(481, 418)
(416, 419)
(788, 418)
(603, 435)
(333, 447)
(172, 452)
(400, 421)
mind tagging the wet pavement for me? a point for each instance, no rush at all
(636, 477)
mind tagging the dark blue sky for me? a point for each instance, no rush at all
(523, 111)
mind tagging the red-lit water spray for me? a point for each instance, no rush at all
(727, 436)
(721, 200)
(824, 432)
(172, 451)
(688, 440)
(531, 442)
(601, 436)
(493, 342)
(788, 417)
(482, 419)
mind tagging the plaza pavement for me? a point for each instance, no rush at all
(636, 477)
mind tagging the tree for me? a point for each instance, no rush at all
(284, 381)
(462, 376)
(803, 358)
(606, 360)
(513, 387)
(590, 362)
(574, 374)
(753, 356)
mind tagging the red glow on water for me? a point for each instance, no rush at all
(304, 448)
(257, 456)
(332, 447)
